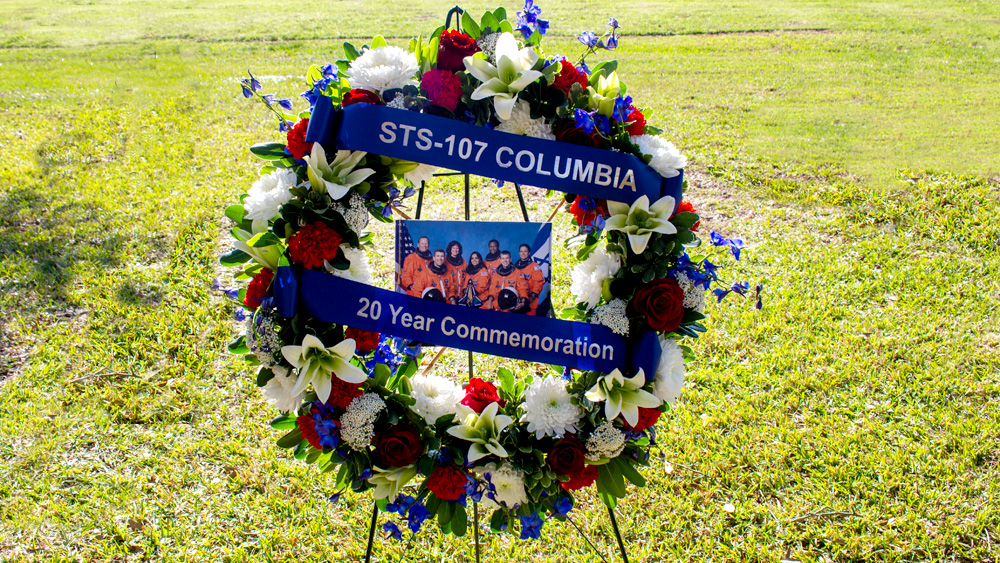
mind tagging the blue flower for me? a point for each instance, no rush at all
(329, 71)
(599, 222)
(584, 121)
(612, 42)
(603, 124)
(240, 314)
(623, 108)
(254, 83)
(246, 91)
(416, 516)
(392, 530)
(328, 434)
(399, 505)
(563, 506)
(613, 23)
(531, 526)
(588, 38)
(567, 374)
(283, 127)
(285, 103)
(734, 244)
(334, 498)
(585, 203)
(583, 68)
(759, 289)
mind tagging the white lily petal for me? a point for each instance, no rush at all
(527, 77)
(480, 68)
(293, 354)
(492, 87)
(504, 104)
(645, 399)
(358, 176)
(336, 191)
(616, 222)
(496, 449)
(322, 385)
(618, 208)
(349, 372)
(662, 226)
(477, 451)
(638, 242)
(664, 207)
(641, 203)
(506, 46)
(631, 414)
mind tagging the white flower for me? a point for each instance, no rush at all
(262, 337)
(521, 123)
(508, 482)
(504, 81)
(360, 271)
(383, 68)
(422, 173)
(488, 45)
(589, 276)
(548, 408)
(667, 160)
(605, 442)
(268, 193)
(623, 395)
(612, 315)
(316, 363)
(482, 429)
(435, 396)
(354, 213)
(640, 220)
(694, 295)
(388, 482)
(337, 177)
(278, 391)
(357, 426)
(670, 372)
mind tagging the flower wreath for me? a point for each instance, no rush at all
(352, 401)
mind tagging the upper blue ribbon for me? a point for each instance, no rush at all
(464, 147)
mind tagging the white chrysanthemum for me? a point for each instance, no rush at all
(694, 295)
(360, 270)
(268, 193)
(383, 68)
(354, 213)
(488, 45)
(667, 160)
(435, 396)
(548, 408)
(357, 426)
(589, 276)
(278, 391)
(521, 123)
(670, 372)
(612, 315)
(422, 173)
(508, 482)
(605, 441)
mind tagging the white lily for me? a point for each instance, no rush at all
(388, 482)
(622, 396)
(511, 75)
(315, 363)
(336, 177)
(483, 430)
(265, 252)
(640, 220)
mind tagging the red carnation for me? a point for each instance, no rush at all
(566, 131)
(479, 394)
(662, 302)
(308, 427)
(447, 483)
(296, 137)
(586, 217)
(567, 457)
(443, 88)
(342, 393)
(638, 123)
(582, 479)
(398, 446)
(360, 95)
(453, 47)
(314, 243)
(568, 75)
(364, 340)
(685, 206)
(647, 418)
(258, 289)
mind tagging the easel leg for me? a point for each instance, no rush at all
(371, 534)
(618, 535)
(475, 526)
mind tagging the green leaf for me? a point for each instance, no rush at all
(236, 213)
(584, 251)
(378, 41)
(471, 28)
(506, 27)
(234, 257)
(269, 151)
(629, 472)
(498, 520)
(506, 378)
(692, 316)
(490, 22)
(350, 52)
(239, 345)
(263, 376)
(290, 440)
(500, 14)
(609, 501)
(459, 521)
(265, 240)
(684, 220)
(445, 513)
(610, 481)
(284, 422)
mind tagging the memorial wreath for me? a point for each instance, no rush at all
(331, 352)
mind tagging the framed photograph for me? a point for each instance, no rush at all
(483, 264)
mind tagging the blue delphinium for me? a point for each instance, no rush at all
(416, 515)
(563, 506)
(531, 526)
(584, 121)
(528, 21)
(392, 530)
(588, 38)
(734, 244)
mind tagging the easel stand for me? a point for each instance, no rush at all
(475, 505)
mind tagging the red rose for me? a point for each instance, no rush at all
(443, 88)
(638, 123)
(685, 206)
(568, 75)
(296, 140)
(397, 446)
(567, 456)
(342, 393)
(364, 340)
(586, 217)
(314, 243)
(307, 425)
(567, 132)
(360, 95)
(662, 302)
(258, 289)
(447, 483)
(582, 479)
(647, 418)
(479, 394)
(453, 47)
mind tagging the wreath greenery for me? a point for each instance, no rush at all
(352, 401)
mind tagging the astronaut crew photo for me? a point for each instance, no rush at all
(501, 280)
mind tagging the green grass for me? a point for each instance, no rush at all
(855, 418)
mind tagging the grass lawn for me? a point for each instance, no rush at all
(852, 144)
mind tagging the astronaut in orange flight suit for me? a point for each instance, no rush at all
(436, 276)
(414, 263)
(532, 275)
(492, 259)
(505, 277)
(455, 263)
(477, 281)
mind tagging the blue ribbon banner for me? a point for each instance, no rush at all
(535, 339)
(464, 147)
